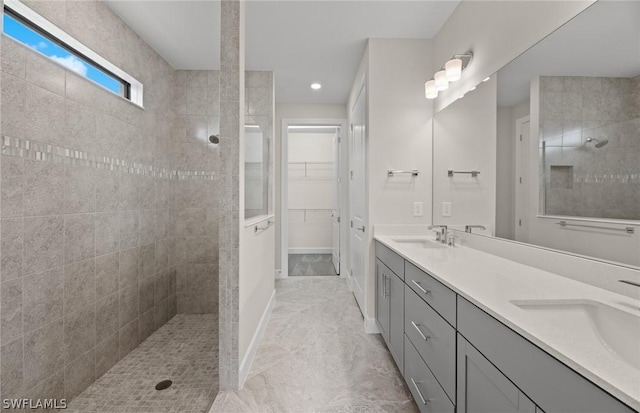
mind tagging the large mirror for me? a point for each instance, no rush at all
(567, 140)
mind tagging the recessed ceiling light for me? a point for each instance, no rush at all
(316, 86)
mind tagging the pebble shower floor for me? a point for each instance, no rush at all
(185, 351)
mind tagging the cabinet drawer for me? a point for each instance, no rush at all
(439, 297)
(433, 338)
(392, 260)
(426, 391)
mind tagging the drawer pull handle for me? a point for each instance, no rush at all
(425, 338)
(424, 401)
(420, 287)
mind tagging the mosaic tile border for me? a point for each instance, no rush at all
(38, 151)
(607, 178)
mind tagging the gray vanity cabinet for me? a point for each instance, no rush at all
(390, 310)
(482, 388)
(456, 357)
(551, 385)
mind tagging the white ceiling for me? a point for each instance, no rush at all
(185, 33)
(604, 40)
(301, 41)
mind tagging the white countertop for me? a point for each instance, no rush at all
(491, 283)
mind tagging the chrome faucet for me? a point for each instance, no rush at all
(440, 235)
(467, 228)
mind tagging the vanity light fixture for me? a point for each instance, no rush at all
(441, 80)
(430, 90)
(316, 86)
(453, 68)
(451, 72)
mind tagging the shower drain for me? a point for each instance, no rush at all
(164, 384)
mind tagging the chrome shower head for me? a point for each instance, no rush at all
(602, 143)
(599, 143)
(214, 139)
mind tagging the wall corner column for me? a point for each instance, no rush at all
(231, 210)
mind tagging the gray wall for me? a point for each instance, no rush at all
(197, 103)
(88, 245)
(581, 180)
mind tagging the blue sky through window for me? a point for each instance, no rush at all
(24, 34)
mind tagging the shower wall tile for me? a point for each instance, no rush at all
(107, 311)
(11, 248)
(79, 374)
(129, 229)
(14, 58)
(107, 232)
(129, 302)
(79, 333)
(107, 274)
(12, 189)
(107, 354)
(11, 311)
(43, 353)
(79, 286)
(147, 294)
(79, 190)
(13, 90)
(41, 71)
(44, 116)
(147, 324)
(43, 243)
(129, 266)
(80, 126)
(42, 299)
(79, 237)
(43, 188)
(11, 365)
(129, 338)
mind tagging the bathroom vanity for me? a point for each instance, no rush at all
(474, 332)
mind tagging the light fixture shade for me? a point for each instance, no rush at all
(430, 90)
(453, 69)
(441, 80)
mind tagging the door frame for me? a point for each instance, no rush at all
(284, 185)
(369, 323)
(521, 169)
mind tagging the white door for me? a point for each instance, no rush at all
(522, 182)
(335, 208)
(357, 191)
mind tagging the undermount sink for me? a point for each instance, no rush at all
(616, 330)
(420, 241)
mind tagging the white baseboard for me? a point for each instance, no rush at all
(370, 326)
(310, 250)
(247, 360)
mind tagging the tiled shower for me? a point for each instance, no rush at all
(109, 211)
(582, 179)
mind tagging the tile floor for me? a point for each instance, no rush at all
(316, 357)
(311, 264)
(184, 350)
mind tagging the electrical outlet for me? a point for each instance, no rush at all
(446, 209)
(418, 209)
